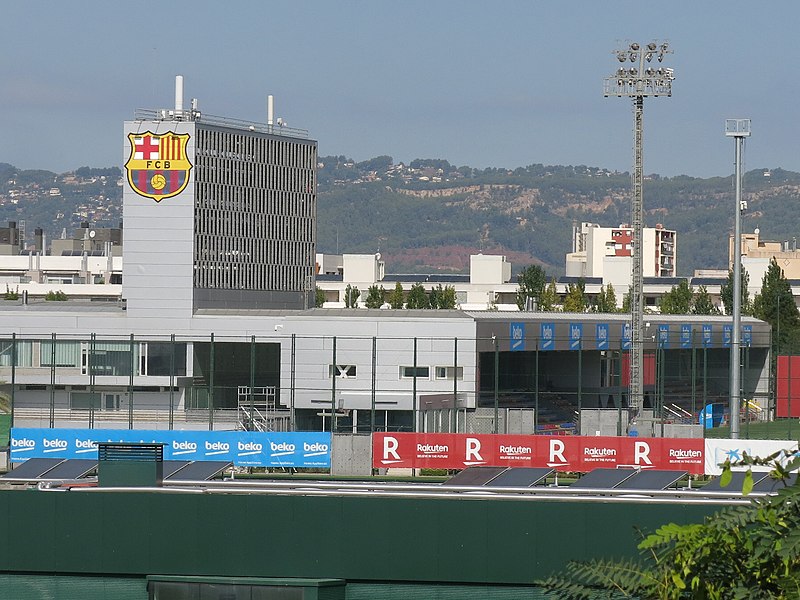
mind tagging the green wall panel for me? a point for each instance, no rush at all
(60, 587)
(400, 591)
(352, 538)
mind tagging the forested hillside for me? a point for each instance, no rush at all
(429, 215)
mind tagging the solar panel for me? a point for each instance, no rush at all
(770, 485)
(74, 468)
(735, 485)
(520, 477)
(603, 479)
(475, 476)
(199, 470)
(651, 479)
(33, 468)
(170, 467)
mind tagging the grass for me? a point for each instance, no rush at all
(782, 429)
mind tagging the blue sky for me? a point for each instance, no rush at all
(485, 84)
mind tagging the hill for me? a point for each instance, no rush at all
(430, 215)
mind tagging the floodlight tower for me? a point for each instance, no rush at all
(737, 129)
(638, 81)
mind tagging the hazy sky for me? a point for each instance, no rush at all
(501, 84)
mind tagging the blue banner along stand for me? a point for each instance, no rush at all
(242, 448)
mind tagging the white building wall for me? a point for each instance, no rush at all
(159, 238)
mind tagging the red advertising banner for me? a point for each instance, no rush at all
(565, 453)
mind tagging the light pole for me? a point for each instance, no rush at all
(737, 129)
(638, 81)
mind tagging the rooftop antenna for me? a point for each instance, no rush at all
(178, 95)
(270, 110)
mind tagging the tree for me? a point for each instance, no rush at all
(750, 551)
(575, 300)
(606, 301)
(395, 297)
(726, 293)
(702, 304)
(677, 301)
(376, 296)
(443, 297)
(775, 305)
(417, 297)
(351, 296)
(319, 297)
(548, 301)
(531, 282)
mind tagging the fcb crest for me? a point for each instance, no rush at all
(158, 167)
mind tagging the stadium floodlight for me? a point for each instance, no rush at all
(640, 82)
(737, 129)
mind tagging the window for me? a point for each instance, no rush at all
(409, 372)
(342, 371)
(66, 354)
(447, 372)
(84, 401)
(24, 353)
(108, 358)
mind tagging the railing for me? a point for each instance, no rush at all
(145, 114)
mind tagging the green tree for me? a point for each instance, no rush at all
(677, 301)
(606, 301)
(443, 297)
(376, 296)
(417, 297)
(351, 296)
(702, 304)
(575, 300)
(775, 305)
(531, 283)
(319, 297)
(548, 301)
(741, 552)
(395, 297)
(726, 294)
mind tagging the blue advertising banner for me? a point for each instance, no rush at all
(707, 336)
(517, 337)
(547, 336)
(242, 448)
(601, 336)
(575, 335)
(626, 336)
(686, 335)
(663, 336)
(747, 335)
(727, 335)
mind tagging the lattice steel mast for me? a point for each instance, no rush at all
(637, 82)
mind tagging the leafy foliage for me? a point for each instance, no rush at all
(576, 300)
(702, 304)
(417, 297)
(351, 296)
(606, 301)
(55, 296)
(443, 297)
(531, 283)
(775, 305)
(726, 294)
(548, 302)
(677, 301)
(740, 552)
(376, 296)
(319, 297)
(395, 297)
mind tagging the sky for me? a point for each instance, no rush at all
(483, 84)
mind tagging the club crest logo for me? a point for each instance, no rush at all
(158, 167)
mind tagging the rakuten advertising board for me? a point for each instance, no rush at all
(242, 448)
(567, 453)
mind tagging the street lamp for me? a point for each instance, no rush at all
(639, 77)
(737, 129)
